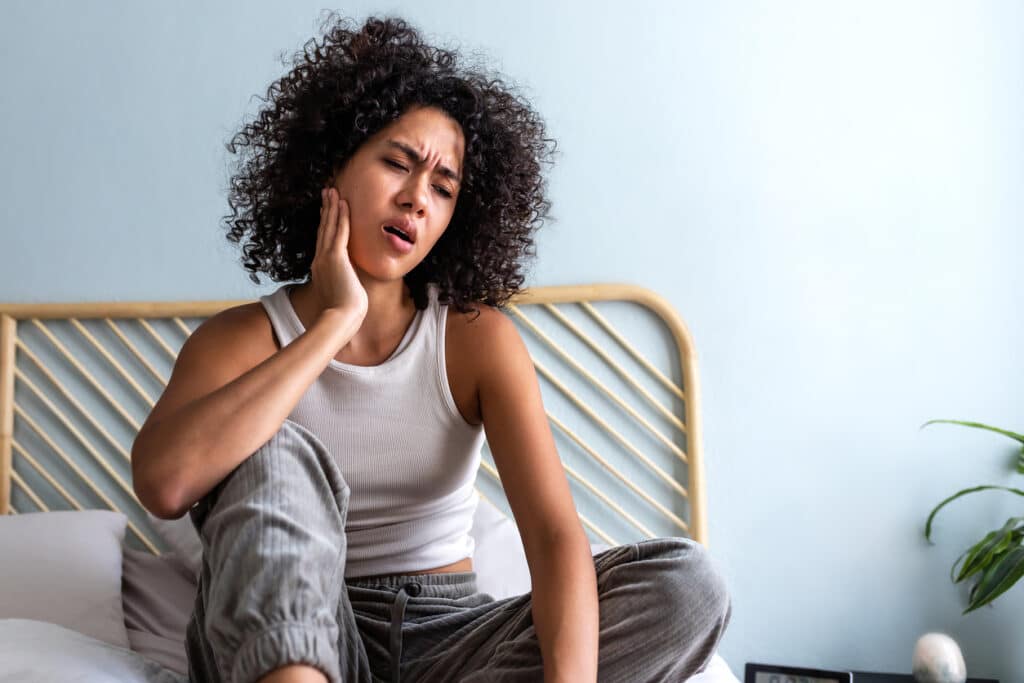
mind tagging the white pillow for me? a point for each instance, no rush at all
(498, 560)
(64, 567)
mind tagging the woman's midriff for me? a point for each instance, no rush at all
(463, 565)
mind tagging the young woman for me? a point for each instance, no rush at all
(326, 439)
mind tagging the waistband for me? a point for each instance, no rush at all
(434, 585)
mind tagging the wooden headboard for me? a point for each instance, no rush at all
(616, 365)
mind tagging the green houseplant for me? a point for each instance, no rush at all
(998, 558)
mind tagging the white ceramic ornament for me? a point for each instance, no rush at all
(937, 659)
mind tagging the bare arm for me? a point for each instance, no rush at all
(183, 452)
(562, 574)
(217, 408)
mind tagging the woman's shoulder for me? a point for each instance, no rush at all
(471, 336)
(246, 317)
(241, 330)
(469, 339)
(473, 328)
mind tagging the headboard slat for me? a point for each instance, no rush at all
(141, 357)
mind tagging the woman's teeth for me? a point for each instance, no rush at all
(392, 229)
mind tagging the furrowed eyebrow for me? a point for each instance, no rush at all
(412, 154)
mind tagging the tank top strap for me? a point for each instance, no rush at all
(282, 317)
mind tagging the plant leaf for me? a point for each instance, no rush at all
(973, 564)
(994, 544)
(1012, 435)
(1020, 462)
(998, 579)
(952, 570)
(964, 492)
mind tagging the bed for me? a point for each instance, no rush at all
(96, 588)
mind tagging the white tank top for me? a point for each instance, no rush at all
(407, 454)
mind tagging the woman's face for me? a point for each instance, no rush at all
(407, 177)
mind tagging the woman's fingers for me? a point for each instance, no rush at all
(336, 234)
(332, 216)
(343, 224)
(320, 228)
(332, 234)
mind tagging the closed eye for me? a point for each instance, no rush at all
(441, 190)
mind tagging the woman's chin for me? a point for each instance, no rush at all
(382, 270)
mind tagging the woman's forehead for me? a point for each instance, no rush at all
(430, 133)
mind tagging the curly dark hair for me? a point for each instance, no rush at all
(339, 93)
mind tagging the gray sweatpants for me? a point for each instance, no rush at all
(272, 592)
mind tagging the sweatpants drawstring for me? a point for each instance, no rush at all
(397, 618)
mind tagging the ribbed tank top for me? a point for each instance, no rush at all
(409, 457)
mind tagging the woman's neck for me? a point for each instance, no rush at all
(389, 313)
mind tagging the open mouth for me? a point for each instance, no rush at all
(395, 231)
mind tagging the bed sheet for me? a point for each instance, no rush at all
(41, 652)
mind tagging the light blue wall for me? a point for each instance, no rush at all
(829, 194)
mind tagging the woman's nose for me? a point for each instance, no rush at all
(415, 194)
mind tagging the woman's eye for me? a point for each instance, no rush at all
(442, 190)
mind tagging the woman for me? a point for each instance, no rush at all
(326, 439)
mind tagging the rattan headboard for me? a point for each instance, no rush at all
(78, 380)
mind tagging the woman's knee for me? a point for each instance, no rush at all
(293, 466)
(675, 600)
(285, 505)
(294, 455)
(684, 578)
